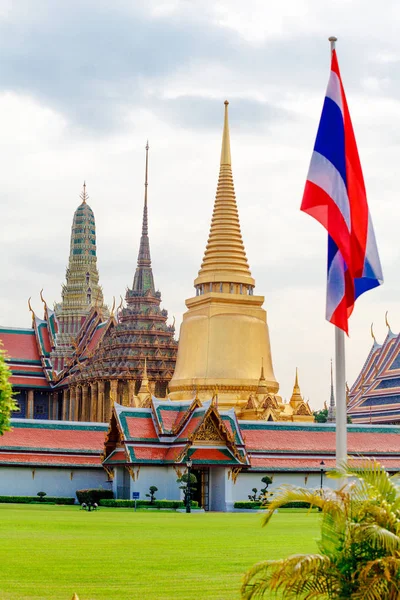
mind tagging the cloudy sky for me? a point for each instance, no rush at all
(84, 83)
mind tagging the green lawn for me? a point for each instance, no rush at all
(48, 553)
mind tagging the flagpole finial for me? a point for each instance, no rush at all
(333, 41)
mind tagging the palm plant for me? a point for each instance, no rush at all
(359, 549)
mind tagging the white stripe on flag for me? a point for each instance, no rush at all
(333, 91)
(335, 285)
(371, 254)
(325, 175)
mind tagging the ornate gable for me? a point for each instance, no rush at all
(209, 432)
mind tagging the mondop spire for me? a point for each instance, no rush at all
(224, 334)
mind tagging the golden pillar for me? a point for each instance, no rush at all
(85, 403)
(29, 408)
(94, 406)
(78, 403)
(100, 400)
(131, 392)
(113, 396)
(65, 404)
(72, 400)
(224, 337)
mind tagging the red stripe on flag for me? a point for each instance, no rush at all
(355, 188)
(318, 204)
(341, 315)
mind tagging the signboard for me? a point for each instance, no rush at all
(135, 495)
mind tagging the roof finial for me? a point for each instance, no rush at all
(146, 183)
(296, 383)
(372, 333)
(113, 308)
(83, 195)
(226, 143)
(386, 320)
(42, 299)
(31, 309)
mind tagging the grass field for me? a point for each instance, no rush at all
(48, 553)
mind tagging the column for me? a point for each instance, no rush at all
(65, 404)
(100, 400)
(94, 405)
(53, 406)
(131, 392)
(113, 396)
(72, 400)
(85, 416)
(29, 407)
(78, 403)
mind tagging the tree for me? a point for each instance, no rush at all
(321, 416)
(359, 548)
(185, 487)
(152, 489)
(7, 404)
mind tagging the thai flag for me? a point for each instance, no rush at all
(335, 195)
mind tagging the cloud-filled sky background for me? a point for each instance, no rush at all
(84, 84)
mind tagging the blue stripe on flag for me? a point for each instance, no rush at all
(330, 137)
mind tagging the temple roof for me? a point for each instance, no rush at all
(225, 257)
(53, 443)
(375, 395)
(23, 358)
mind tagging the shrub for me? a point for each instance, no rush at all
(41, 495)
(34, 500)
(248, 504)
(174, 504)
(92, 496)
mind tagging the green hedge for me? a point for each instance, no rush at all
(258, 505)
(248, 504)
(35, 500)
(147, 504)
(93, 495)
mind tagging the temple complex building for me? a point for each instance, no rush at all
(224, 339)
(136, 355)
(78, 360)
(375, 395)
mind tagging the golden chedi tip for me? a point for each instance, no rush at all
(296, 398)
(225, 262)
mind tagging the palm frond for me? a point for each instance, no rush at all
(294, 576)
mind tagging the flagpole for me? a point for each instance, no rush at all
(340, 377)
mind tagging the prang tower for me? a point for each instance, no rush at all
(81, 290)
(224, 338)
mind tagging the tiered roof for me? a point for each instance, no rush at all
(171, 432)
(375, 395)
(23, 358)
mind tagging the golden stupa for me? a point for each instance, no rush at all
(224, 338)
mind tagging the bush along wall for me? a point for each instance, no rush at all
(257, 505)
(92, 496)
(35, 499)
(173, 504)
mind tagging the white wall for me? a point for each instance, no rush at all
(164, 478)
(28, 481)
(246, 481)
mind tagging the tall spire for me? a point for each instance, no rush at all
(143, 279)
(225, 259)
(331, 410)
(83, 195)
(296, 397)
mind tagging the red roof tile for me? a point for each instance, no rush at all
(49, 459)
(209, 454)
(37, 437)
(20, 345)
(320, 441)
(141, 427)
(29, 381)
(149, 453)
(312, 463)
(173, 453)
(191, 427)
(44, 332)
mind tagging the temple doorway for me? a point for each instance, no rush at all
(202, 492)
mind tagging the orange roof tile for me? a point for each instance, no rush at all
(32, 458)
(20, 344)
(51, 437)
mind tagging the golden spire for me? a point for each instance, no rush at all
(225, 257)
(262, 387)
(296, 398)
(83, 195)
